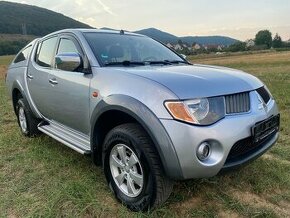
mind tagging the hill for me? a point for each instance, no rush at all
(209, 40)
(17, 18)
(169, 38)
(204, 40)
(20, 23)
(159, 35)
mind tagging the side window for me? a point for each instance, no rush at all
(23, 55)
(45, 52)
(66, 46)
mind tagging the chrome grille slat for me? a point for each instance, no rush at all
(237, 103)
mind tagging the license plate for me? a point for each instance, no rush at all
(265, 128)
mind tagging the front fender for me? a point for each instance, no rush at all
(147, 119)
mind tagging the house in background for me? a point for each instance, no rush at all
(178, 47)
(250, 43)
(196, 47)
(169, 45)
(213, 47)
(220, 48)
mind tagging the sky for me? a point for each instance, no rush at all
(238, 19)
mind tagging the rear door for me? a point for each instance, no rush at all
(71, 90)
(39, 71)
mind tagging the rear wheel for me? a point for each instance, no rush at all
(133, 168)
(26, 120)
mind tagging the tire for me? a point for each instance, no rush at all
(154, 188)
(26, 120)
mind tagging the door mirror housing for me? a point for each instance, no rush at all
(68, 61)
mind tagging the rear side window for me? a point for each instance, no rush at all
(23, 55)
(45, 52)
(66, 46)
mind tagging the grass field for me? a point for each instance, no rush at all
(41, 177)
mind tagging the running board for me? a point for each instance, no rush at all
(70, 138)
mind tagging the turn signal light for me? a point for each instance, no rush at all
(95, 94)
(179, 111)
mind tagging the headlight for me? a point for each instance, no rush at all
(201, 111)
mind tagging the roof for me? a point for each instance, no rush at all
(79, 30)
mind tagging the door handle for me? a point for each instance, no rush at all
(53, 81)
(29, 76)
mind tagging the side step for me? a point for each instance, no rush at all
(70, 138)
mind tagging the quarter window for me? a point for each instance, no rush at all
(45, 52)
(23, 55)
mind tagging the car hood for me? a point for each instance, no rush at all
(193, 81)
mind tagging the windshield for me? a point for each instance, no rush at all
(120, 49)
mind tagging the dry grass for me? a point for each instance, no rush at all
(41, 177)
(3, 71)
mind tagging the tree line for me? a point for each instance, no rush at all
(12, 47)
(263, 41)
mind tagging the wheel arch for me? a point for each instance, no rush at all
(120, 109)
(16, 94)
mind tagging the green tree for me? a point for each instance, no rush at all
(277, 41)
(238, 46)
(11, 47)
(264, 37)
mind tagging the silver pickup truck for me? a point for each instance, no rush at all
(140, 110)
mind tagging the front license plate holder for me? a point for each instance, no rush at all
(265, 128)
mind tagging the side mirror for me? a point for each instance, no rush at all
(68, 61)
(183, 56)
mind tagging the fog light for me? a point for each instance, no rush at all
(203, 151)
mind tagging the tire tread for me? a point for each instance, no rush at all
(32, 121)
(163, 184)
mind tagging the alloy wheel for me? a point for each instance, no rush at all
(126, 170)
(22, 119)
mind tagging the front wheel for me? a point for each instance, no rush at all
(133, 168)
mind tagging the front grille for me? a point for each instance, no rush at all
(264, 94)
(237, 103)
(245, 147)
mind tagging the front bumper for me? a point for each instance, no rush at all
(222, 136)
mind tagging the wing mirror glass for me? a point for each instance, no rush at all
(68, 61)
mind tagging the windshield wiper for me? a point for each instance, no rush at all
(168, 62)
(142, 63)
(176, 62)
(125, 63)
(158, 62)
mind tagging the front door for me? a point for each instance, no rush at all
(71, 91)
